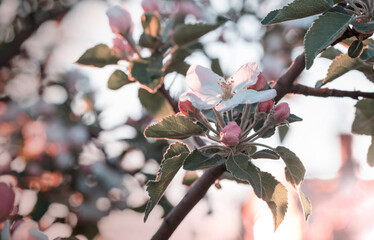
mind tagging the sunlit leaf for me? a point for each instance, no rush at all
(275, 195)
(364, 118)
(168, 169)
(173, 127)
(189, 178)
(265, 153)
(297, 9)
(99, 56)
(295, 169)
(305, 204)
(324, 31)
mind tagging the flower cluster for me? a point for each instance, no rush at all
(241, 103)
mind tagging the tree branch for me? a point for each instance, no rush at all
(201, 186)
(193, 196)
(284, 83)
(327, 92)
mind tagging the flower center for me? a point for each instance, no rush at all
(226, 87)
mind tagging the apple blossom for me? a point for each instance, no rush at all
(266, 106)
(150, 5)
(230, 134)
(211, 90)
(120, 20)
(281, 111)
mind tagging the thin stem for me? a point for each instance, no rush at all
(250, 127)
(256, 134)
(133, 45)
(245, 115)
(219, 118)
(229, 115)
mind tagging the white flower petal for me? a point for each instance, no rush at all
(200, 101)
(245, 76)
(253, 96)
(231, 103)
(203, 80)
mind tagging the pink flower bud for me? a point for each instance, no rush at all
(260, 84)
(150, 5)
(124, 48)
(120, 20)
(266, 106)
(281, 111)
(186, 108)
(230, 134)
(7, 201)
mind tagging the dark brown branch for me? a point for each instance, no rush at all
(199, 189)
(327, 92)
(193, 196)
(285, 82)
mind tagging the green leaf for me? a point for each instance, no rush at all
(175, 149)
(368, 54)
(339, 66)
(305, 204)
(148, 41)
(297, 9)
(241, 168)
(189, 178)
(155, 103)
(199, 160)
(370, 154)
(366, 28)
(355, 49)
(364, 119)
(99, 56)
(295, 170)
(117, 80)
(293, 118)
(187, 33)
(177, 63)
(265, 153)
(275, 195)
(168, 169)
(173, 127)
(147, 72)
(324, 31)
(330, 53)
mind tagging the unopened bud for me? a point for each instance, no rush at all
(120, 20)
(230, 134)
(260, 84)
(150, 5)
(281, 111)
(187, 108)
(266, 106)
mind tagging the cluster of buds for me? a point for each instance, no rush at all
(232, 135)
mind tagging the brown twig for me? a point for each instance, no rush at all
(285, 82)
(327, 92)
(193, 196)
